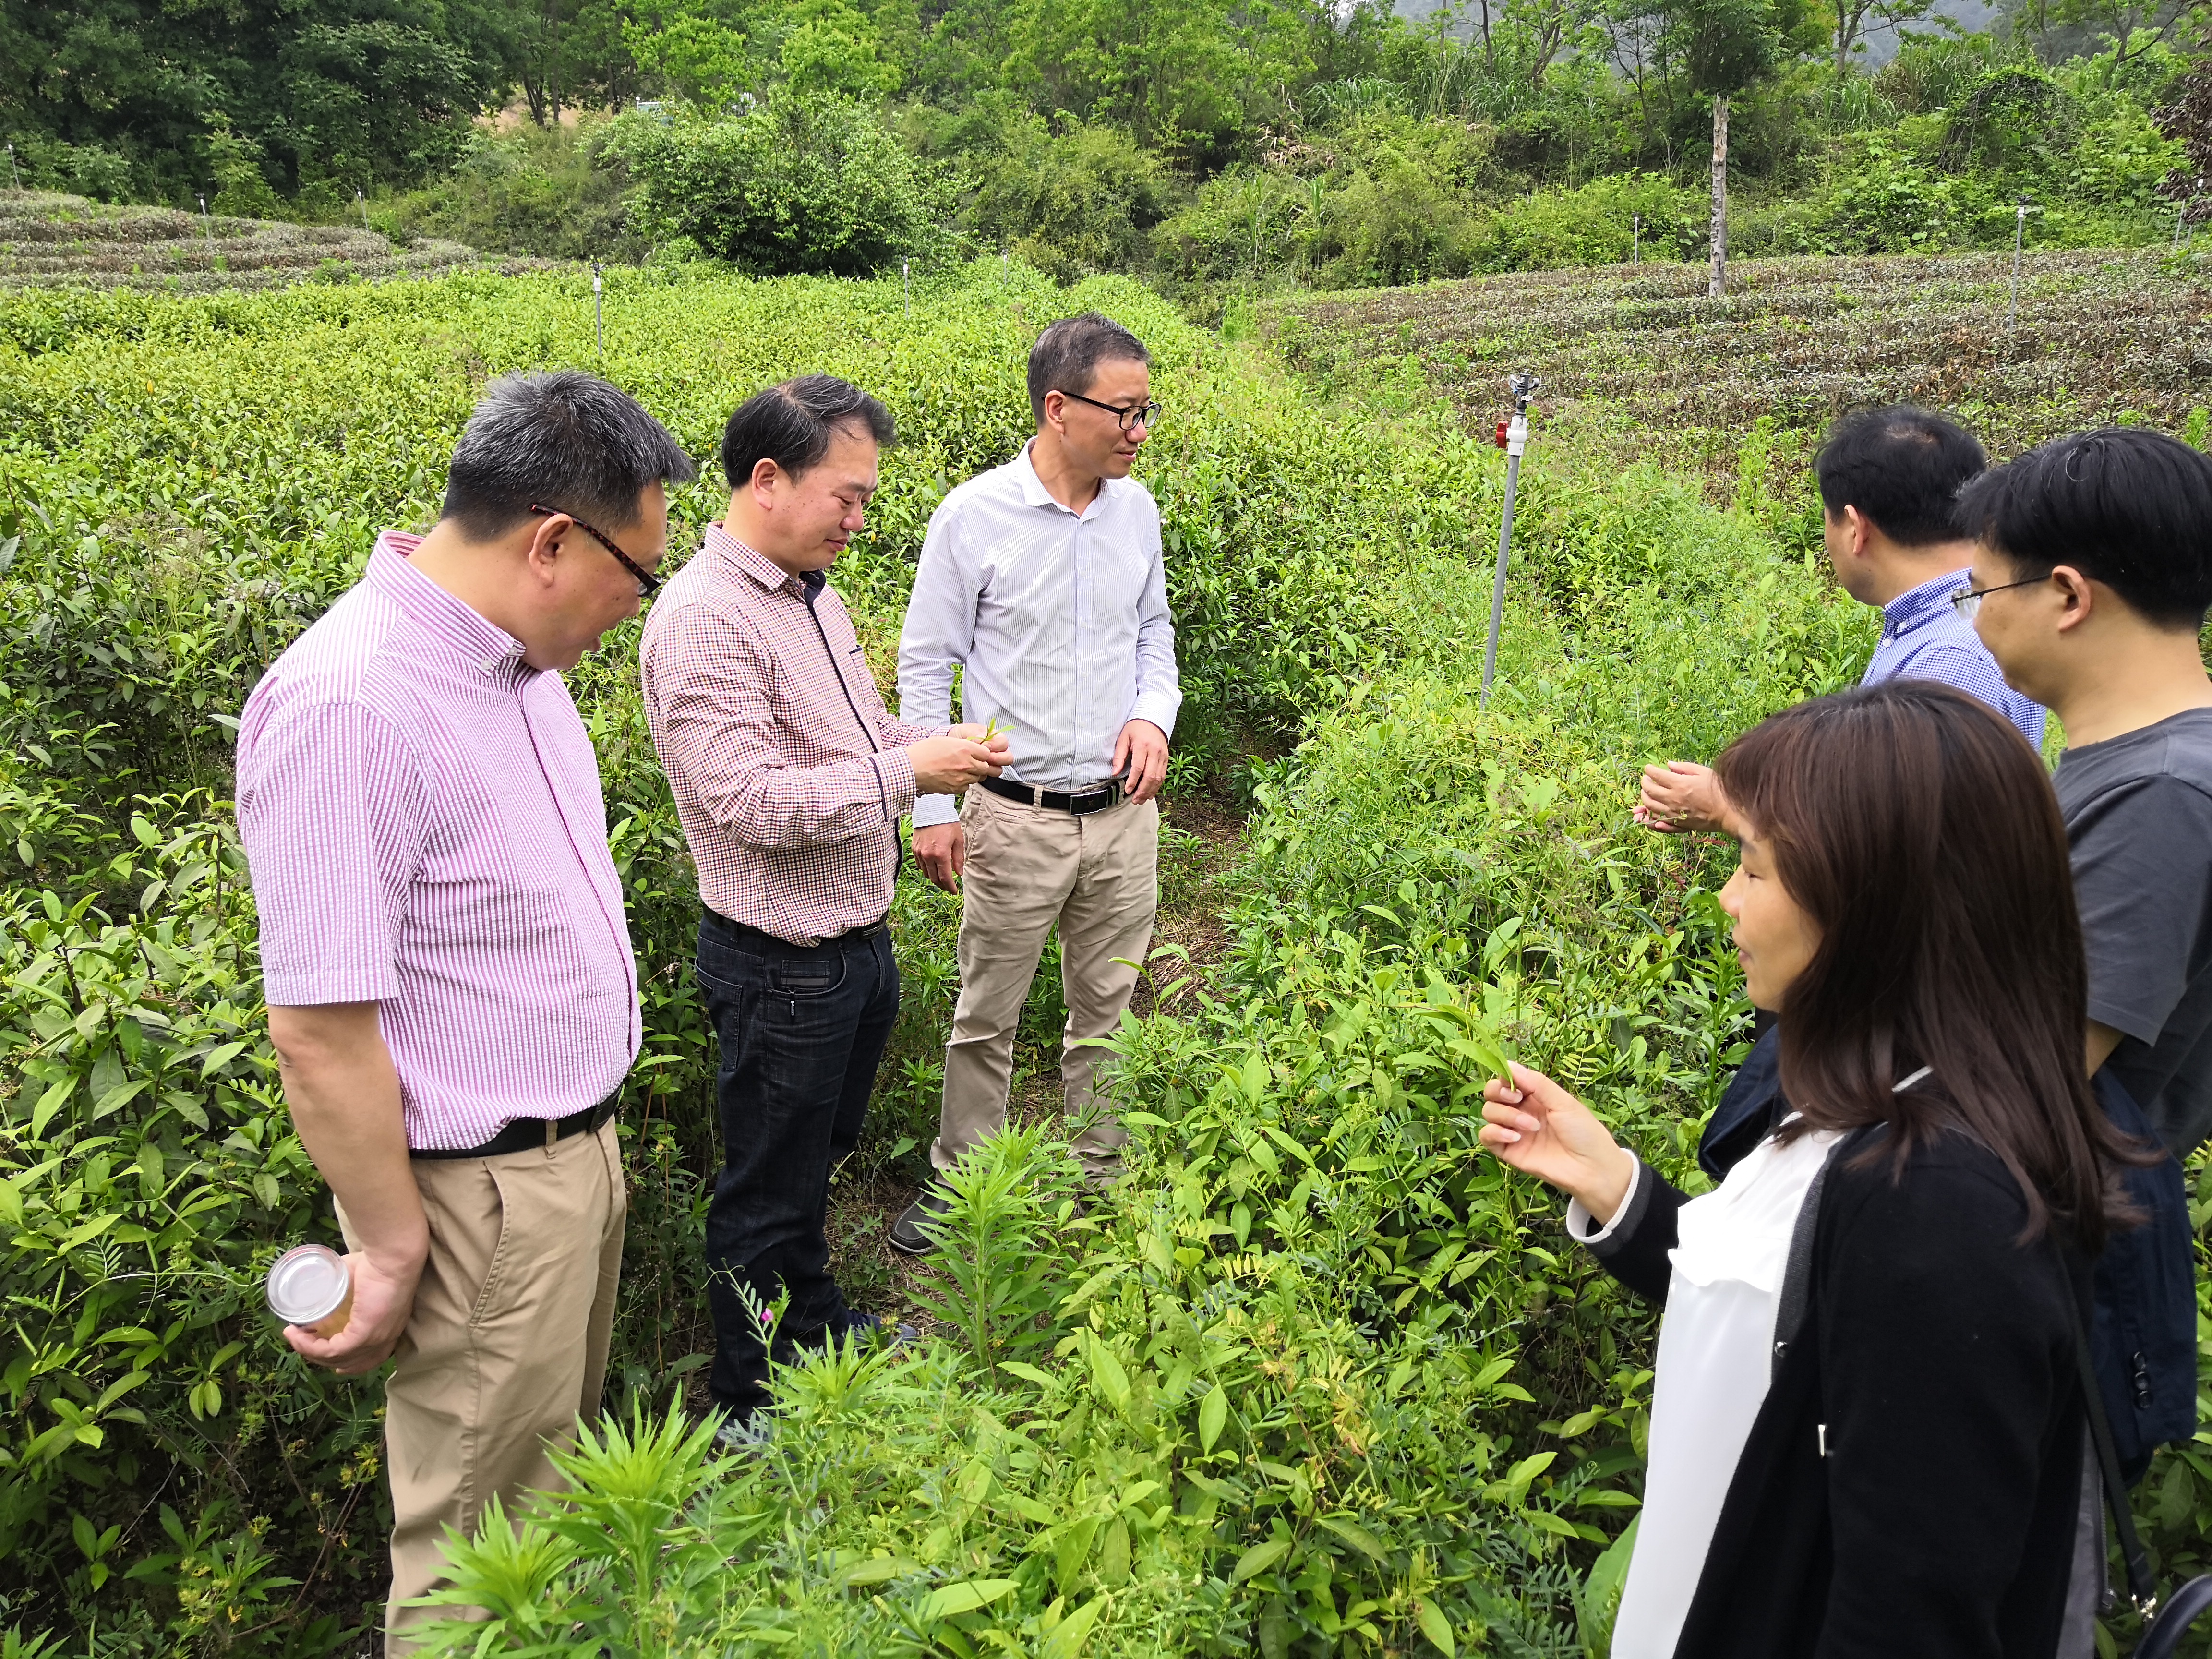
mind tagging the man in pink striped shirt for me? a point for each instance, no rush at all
(448, 972)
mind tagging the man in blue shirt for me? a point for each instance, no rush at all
(1889, 479)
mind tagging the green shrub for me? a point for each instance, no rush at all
(93, 170)
(802, 182)
(1593, 225)
(1246, 223)
(1072, 203)
(1405, 207)
(1889, 203)
(552, 191)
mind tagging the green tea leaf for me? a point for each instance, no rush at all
(1259, 1558)
(948, 1601)
(1106, 1371)
(879, 1569)
(1435, 1626)
(1066, 1638)
(1355, 1535)
(1212, 1417)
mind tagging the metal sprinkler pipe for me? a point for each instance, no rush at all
(598, 314)
(2018, 235)
(362, 202)
(906, 283)
(206, 223)
(1513, 438)
(1636, 251)
(14, 172)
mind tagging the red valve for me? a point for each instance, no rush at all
(1501, 434)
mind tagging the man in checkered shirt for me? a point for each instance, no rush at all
(790, 779)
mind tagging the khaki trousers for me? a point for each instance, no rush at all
(1098, 878)
(507, 1345)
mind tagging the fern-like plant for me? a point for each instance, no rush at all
(1001, 1265)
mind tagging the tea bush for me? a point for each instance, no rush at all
(1639, 364)
(68, 242)
(1317, 1379)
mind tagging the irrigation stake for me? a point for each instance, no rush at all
(598, 314)
(1636, 256)
(206, 223)
(1513, 438)
(362, 202)
(13, 171)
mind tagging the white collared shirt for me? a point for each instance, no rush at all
(1716, 1357)
(1059, 622)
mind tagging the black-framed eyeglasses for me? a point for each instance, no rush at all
(647, 583)
(1969, 600)
(1144, 413)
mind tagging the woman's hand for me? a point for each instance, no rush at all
(1534, 1125)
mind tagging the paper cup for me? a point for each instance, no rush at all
(310, 1286)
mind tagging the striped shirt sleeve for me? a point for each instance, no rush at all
(334, 811)
(722, 729)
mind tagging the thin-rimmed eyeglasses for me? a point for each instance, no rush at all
(1969, 600)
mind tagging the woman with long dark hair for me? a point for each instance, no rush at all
(1875, 1448)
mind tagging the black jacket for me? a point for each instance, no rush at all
(1937, 1366)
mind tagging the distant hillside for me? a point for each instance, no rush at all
(51, 241)
(1639, 364)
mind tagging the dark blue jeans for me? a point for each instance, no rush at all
(802, 1031)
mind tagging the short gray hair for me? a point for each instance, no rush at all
(1066, 355)
(562, 439)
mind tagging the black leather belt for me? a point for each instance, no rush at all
(523, 1135)
(752, 938)
(1052, 800)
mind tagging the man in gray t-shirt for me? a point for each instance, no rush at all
(2138, 811)
(2090, 584)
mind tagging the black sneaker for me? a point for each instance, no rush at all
(906, 1232)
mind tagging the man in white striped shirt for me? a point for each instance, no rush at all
(1042, 580)
(447, 966)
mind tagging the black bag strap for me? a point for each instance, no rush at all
(2141, 1591)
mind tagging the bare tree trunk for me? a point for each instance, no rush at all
(1719, 281)
(1849, 15)
(553, 67)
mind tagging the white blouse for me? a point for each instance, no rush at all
(1716, 1345)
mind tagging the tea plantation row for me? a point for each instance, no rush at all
(1319, 1380)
